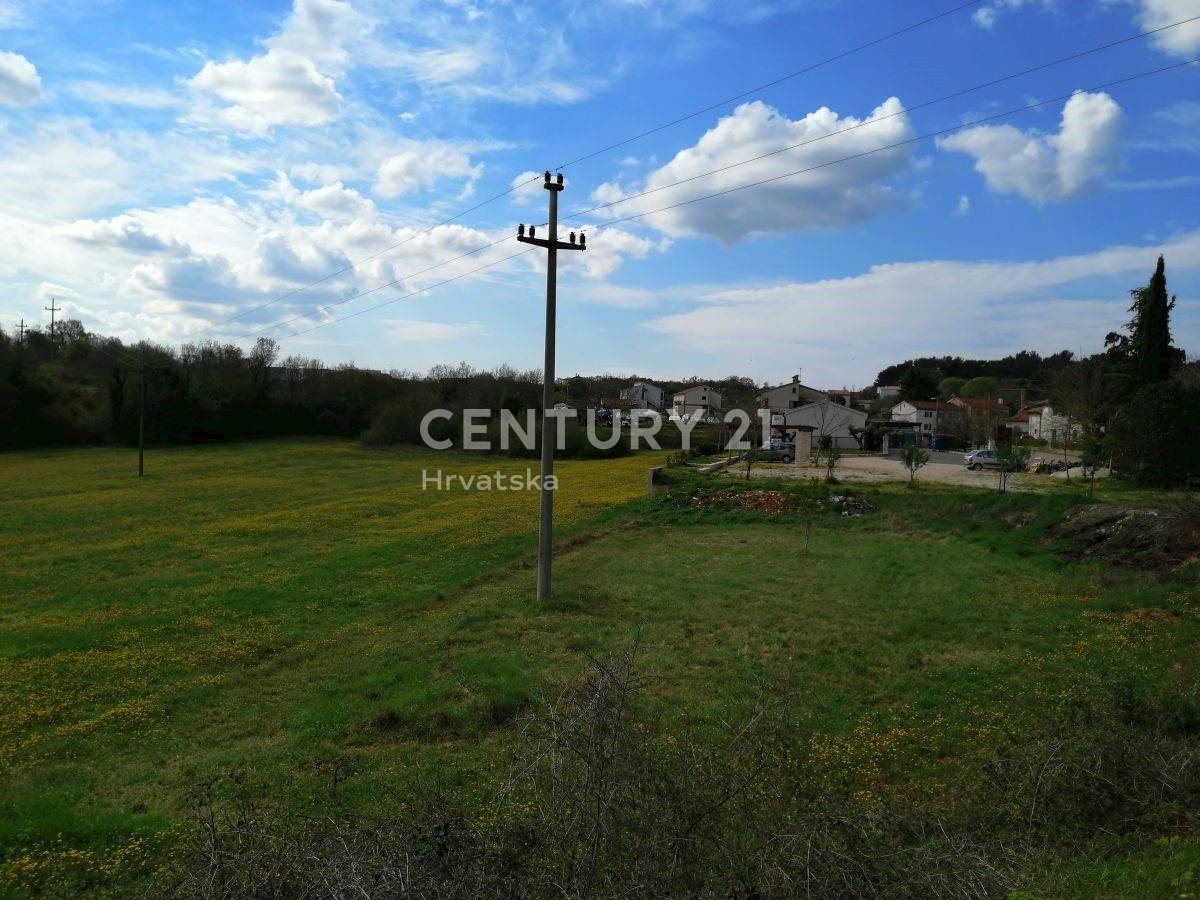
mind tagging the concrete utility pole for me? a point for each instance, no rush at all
(552, 245)
(142, 411)
(52, 309)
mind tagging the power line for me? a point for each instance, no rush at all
(780, 80)
(922, 137)
(378, 253)
(406, 296)
(913, 140)
(349, 267)
(373, 290)
(574, 216)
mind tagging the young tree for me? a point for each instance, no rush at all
(831, 454)
(1012, 457)
(914, 458)
(1093, 451)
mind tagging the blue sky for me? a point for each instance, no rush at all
(166, 167)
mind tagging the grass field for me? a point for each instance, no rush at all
(303, 614)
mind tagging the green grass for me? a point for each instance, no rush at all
(304, 614)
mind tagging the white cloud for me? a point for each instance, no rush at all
(1181, 41)
(527, 187)
(964, 205)
(607, 249)
(987, 16)
(20, 84)
(330, 201)
(421, 166)
(844, 330)
(415, 330)
(1043, 168)
(322, 31)
(127, 232)
(838, 194)
(277, 88)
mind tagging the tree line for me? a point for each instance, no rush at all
(75, 387)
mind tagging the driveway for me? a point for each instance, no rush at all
(947, 469)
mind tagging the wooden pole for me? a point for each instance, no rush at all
(142, 412)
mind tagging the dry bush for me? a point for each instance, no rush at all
(602, 800)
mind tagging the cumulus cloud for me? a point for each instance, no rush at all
(527, 187)
(1181, 41)
(277, 88)
(126, 232)
(1078, 158)
(20, 84)
(332, 201)
(838, 194)
(293, 83)
(844, 330)
(322, 31)
(421, 166)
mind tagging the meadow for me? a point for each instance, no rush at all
(300, 617)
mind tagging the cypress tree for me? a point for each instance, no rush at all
(1150, 348)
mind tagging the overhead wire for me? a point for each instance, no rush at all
(775, 178)
(575, 214)
(515, 187)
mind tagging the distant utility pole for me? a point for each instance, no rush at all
(552, 245)
(52, 309)
(21, 332)
(142, 411)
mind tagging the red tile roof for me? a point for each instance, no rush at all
(933, 404)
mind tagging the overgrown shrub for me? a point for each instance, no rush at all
(604, 800)
(1156, 436)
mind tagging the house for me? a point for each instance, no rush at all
(644, 395)
(887, 391)
(832, 424)
(696, 402)
(932, 418)
(983, 418)
(1019, 424)
(1042, 423)
(789, 396)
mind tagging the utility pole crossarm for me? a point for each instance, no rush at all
(559, 245)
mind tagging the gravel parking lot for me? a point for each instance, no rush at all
(945, 468)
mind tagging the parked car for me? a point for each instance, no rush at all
(981, 459)
(783, 451)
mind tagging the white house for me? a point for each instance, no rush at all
(699, 401)
(887, 391)
(644, 395)
(1045, 424)
(789, 396)
(930, 417)
(831, 423)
